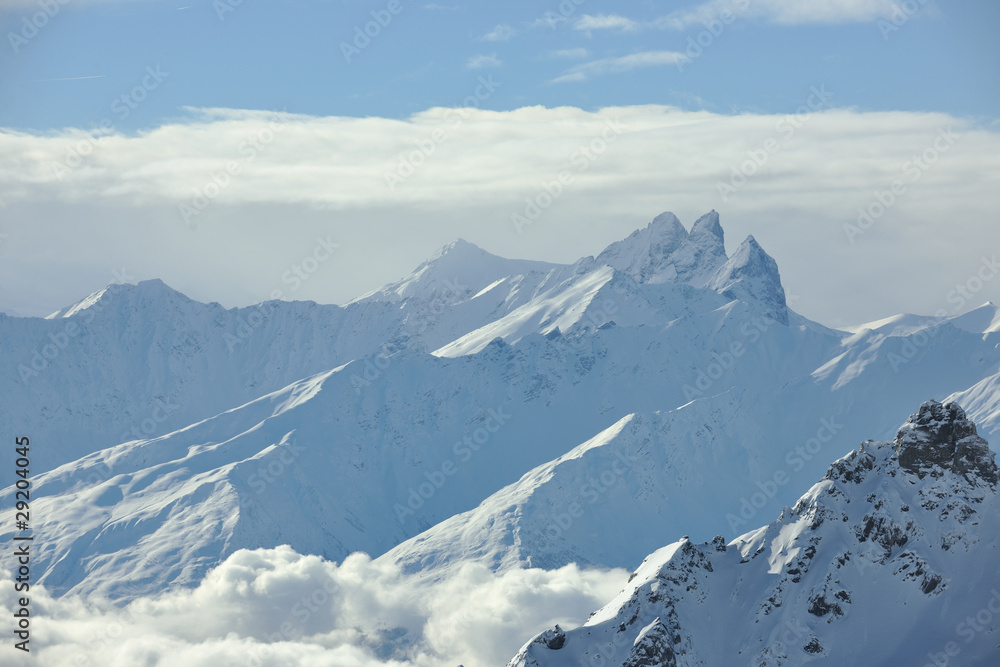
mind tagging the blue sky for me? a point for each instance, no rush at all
(210, 143)
(263, 54)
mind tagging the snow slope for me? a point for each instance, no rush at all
(383, 440)
(891, 559)
(137, 361)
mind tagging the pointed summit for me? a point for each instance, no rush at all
(455, 272)
(146, 291)
(751, 275)
(709, 224)
(667, 225)
(664, 252)
(644, 254)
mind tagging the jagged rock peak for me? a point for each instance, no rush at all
(666, 225)
(664, 251)
(752, 275)
(709, 224)
(940, 437)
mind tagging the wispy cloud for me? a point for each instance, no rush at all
(606, 22)
(568, 54)
(500, 33)
(75, 78)
(482, 61)
(585, 71)
(783, 12)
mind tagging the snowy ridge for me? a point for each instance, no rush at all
(985, 320)
(248, 407)
(458, 261)
(183, 361)
(905, 532)
(368, 437)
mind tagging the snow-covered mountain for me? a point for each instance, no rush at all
(137, 361)
(666, 252)
(439, 420)
(891, 559)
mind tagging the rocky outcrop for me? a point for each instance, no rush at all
(940, 438)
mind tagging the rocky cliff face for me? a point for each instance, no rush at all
(940, 438)
(889, 560)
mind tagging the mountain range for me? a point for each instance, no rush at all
(522, 414)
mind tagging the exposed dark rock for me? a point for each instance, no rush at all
(813, 646)
(553, 639)
(940, 438)
(655, 648)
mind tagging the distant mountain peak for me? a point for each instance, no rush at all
(752, 275)
(143, 291)
(458, 247)
(667, 223)
(664, 251)
(709, 224)
(455, 272)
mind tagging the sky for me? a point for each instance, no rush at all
(217, 144)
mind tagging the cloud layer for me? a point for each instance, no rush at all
(221, 204)
(275, 607)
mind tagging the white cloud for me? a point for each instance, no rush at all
(786, 12)
(327, 175)
(605, 22)
(274, 607)
(618, 64)
(783, 12)
(568, 54)
(500, 33)
(481, 61)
